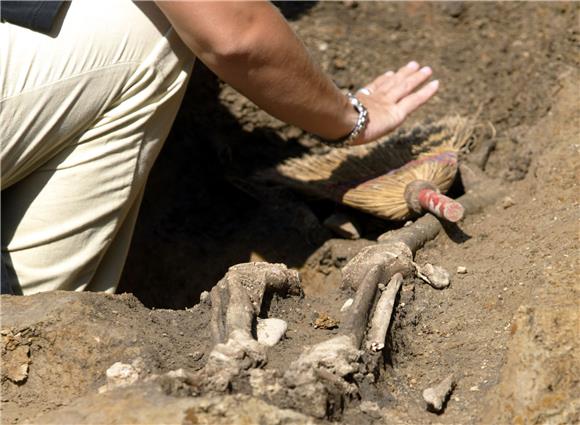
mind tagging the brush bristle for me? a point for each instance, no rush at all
(373, 177)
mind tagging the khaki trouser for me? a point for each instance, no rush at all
(83, 114)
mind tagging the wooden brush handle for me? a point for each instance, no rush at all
(422, 195)
(441, 205)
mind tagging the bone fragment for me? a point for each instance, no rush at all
(435, 396)
(270, 331)
(346, 305)
(237, 298)
(235, 301)
(436, 276)
(382, 315)
(355, 322)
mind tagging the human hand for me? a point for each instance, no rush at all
(391, 97)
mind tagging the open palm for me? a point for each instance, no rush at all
(391, 97)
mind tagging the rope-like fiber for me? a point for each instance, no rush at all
(373, 177)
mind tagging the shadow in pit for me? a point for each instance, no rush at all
(195, 221)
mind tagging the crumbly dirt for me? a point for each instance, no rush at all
(507, 328)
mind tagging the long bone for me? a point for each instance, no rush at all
(382, 315)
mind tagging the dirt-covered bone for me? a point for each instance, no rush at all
(322, 380)
(356, 318)
(236, 302)
(318, 383)
(237, 298)
(392, 257)
(382, 315)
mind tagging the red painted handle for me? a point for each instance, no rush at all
(441, 205)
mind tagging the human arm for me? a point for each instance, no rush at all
(251, 47)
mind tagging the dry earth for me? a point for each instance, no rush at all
(508, 328)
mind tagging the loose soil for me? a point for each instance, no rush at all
(508, 328)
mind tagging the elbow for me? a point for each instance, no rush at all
(227, 50)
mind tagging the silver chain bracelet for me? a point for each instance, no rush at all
(359, 127)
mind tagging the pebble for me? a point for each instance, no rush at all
(461, 270)
(371, 408)
(507, 202)
(271, 331)
(346, 305)
(196, 355)
(204, 297)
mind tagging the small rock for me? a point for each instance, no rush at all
(507, 202)
(382, 287)
(177, 373)
(342, 225)
(339, 64)
(120, 375)
(204, 297)
(461, 269)
(454, 9)
(322, 46)
(270, 331)
(15, 363)
(435, 396)
(196, 355)
(436, 276)
(474, 388)
(370, 408)
(346, 305)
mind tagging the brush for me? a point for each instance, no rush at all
(395, 178)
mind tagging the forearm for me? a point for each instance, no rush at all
(252, 48)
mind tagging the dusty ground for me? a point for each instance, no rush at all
(508, 328)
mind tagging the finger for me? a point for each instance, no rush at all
(411, 102)
(392, 79)
(408, 69)
(408, 84)
(378, 83)
(386, 82)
